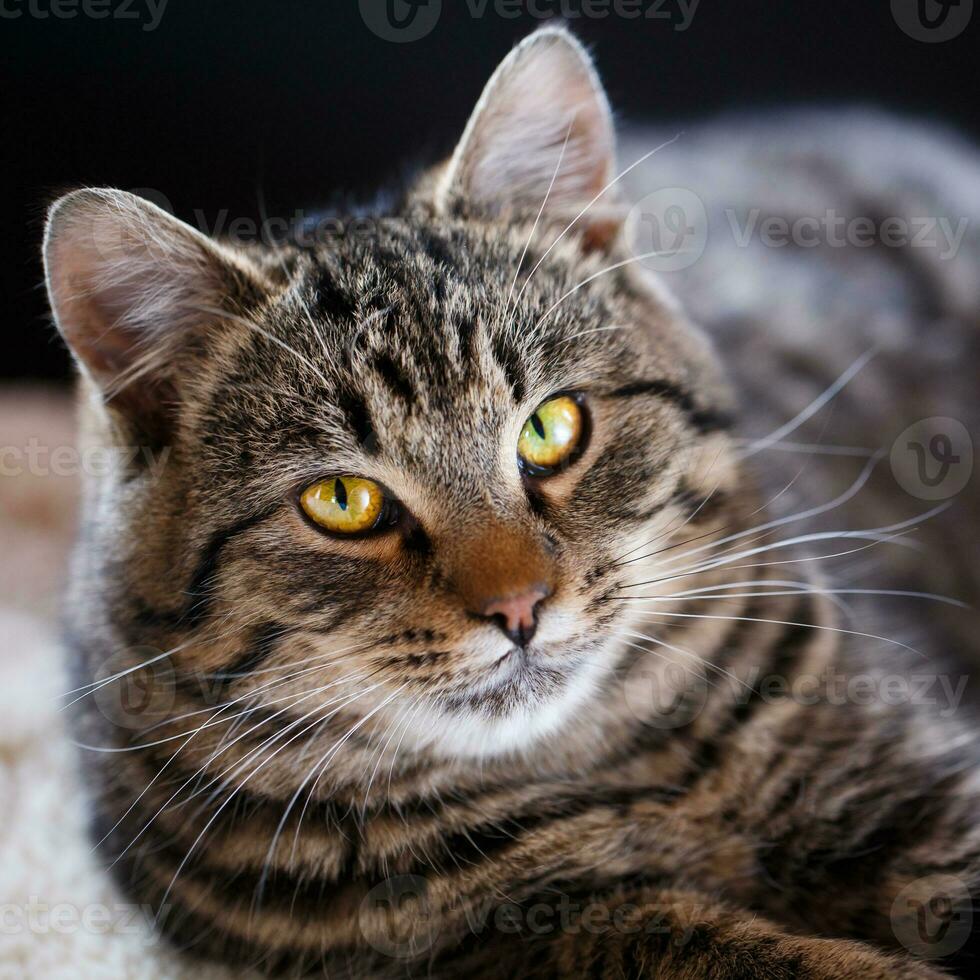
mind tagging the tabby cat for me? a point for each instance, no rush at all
(474, 618)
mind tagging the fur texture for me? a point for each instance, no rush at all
(335, 768)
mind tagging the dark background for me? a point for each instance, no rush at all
(301, 99)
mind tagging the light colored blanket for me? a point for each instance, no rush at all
(61, 917)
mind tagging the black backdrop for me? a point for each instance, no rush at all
(302, 98)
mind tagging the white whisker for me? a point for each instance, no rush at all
(272, 338)
(534, 227)
(783, 622)
(587, 208)
(320, 767)
(571, 292)
(814, 406)
(221, 807)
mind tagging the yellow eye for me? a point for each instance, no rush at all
(344, 504)
(551, 435)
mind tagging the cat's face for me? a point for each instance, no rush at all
(405, 468)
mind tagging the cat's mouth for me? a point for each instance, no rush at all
(519, 677)
(517, 697)
(515, 657)
(520, 665)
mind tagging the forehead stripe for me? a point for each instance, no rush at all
(510, 364)
(358, 418)
(703, 419)
(396, 379)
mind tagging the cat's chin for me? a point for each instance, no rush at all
(512, 714)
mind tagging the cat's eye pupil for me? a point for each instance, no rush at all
(552, 435)
(347, 504)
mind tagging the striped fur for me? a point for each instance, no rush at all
(333, 774)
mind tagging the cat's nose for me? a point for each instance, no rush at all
(501, 575)
(516, 614)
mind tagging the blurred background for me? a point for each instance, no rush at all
(206, 104)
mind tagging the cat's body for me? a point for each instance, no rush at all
(790, 315)
(624, 795)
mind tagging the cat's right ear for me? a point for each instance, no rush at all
(541, 137)
(128, 284)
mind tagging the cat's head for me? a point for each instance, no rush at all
(404, 468)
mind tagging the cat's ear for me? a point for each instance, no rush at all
(542, 129)
(128, 283)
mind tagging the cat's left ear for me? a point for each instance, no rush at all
(131, 288)
(541, 134)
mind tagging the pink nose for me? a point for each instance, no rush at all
(516, 614)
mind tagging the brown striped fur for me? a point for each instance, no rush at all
(404, 750)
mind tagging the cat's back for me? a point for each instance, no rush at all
(823, 245)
